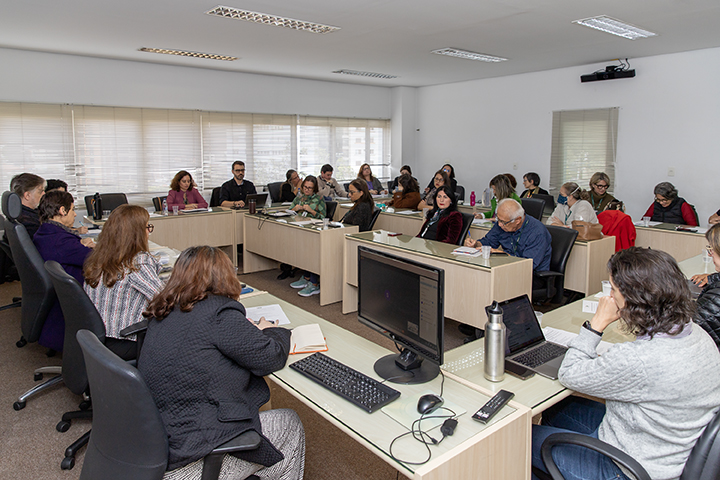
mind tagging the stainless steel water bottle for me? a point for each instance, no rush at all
(494, 344)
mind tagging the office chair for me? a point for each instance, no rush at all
(375, 215)
(697, 219)
(110, 201)
(390, 186)
(37, 290)
(549, 202)
(548, 285)
(346, 186)
(702, 464)
(157, 203)
(467, 223)
(80, 313)
(215, 197)
(275, 189)
(128, 438)
(330, 208)
(534, 207)
(460, 192)
(7, 252)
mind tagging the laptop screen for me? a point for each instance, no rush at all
(522, 327)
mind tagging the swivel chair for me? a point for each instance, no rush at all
(274, 189)
(128, 439)
(460, 192)
(467, 223)
(549, 202)
(157, 203)
(215, 197)
(7, 257)
(548, 285)
(110, 201)
(534, 207)
(330, 208)
(375, 215)
(702, 464)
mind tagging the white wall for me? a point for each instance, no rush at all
(669, 117)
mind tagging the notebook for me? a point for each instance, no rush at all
(525, 342)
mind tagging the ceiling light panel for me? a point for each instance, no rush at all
(365, 74)
(184, 53)
(616, 27)
(454, 52)
(274, 20)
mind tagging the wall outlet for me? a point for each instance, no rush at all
(671, 172)
(514, 166)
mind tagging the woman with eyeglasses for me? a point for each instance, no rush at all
(707, 314)
(362, 210)
(309, 204)
(407, 194)
(451, 181)
(669, 208)
(443, 223)
(599, 198)
(572, 204)
(292, 186)
(502, 189)
(373, 184)
(121, 276)
(441, 179)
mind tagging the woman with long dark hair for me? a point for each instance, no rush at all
(362, 210)
(183, 193)
(443, 223)
(408, 194)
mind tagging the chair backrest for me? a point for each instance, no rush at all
(460, 192)
(346, 186)
(549, 202)
(375, 215)
(37, 289)
(110, 201)
(391, 185)
(215, 197)
(467, 223)
(330, 208)
(128, 438)
(80, 313)
(562, 243)
(534, 207)
(697, 219)
(275, 188)
(704, 460)
(157, 203)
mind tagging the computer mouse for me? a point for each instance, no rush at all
(429, 403)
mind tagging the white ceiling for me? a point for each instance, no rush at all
(384, 36)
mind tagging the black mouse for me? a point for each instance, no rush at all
(429, 403)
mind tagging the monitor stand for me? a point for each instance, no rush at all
(388, 367)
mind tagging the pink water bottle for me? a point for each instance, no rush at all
(472, 198)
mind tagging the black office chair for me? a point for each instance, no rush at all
(37, 291)
(330, 208)
(391, 186)
(346, 186)
(375, 215)
(80, 314)
(460, 192)
(534, 207)
(110, 201)
(275, 189)
(467, 223)
(128, 438)
(157, 203)
(7, 263)
(549, 285)
(702, 464)
(549, 202)
(215, 197)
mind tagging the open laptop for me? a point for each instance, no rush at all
(260, 199)
(525, 343)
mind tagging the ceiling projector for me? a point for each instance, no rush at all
(610, 72)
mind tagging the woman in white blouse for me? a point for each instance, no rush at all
(572, 204)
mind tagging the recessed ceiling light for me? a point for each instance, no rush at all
(365, 74)
(616, 27)
(230, 12)
(184, 53)
(454, 52)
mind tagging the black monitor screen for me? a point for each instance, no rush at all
(403, 300)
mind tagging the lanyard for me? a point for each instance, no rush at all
(515, 243)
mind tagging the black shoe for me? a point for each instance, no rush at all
(466, 329)
(284, 274)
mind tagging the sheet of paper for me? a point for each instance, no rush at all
(270, 312)
(194, 210)
(408, 212)
(481, 221)
(650, 224)
(561, 337)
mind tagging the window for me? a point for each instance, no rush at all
(583, 142)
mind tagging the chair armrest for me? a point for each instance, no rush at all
(249, 440)
(547, 274)
(140, 326)
(599, 446)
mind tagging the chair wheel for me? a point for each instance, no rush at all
(19, 405)
(37, 377)
(62, 427)
(68, 463)
(21, 343)
(84, 405)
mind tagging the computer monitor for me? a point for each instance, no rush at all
(403, 300)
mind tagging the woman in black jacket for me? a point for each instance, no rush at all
(362, 210)
(204, 363)
(708, 303)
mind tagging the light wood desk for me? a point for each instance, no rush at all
(498, 450)
(695, 265)
(268, 241)
(471, 283)
(681, 245)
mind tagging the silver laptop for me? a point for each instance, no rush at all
(525, 343)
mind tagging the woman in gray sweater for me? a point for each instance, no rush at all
(660, 390)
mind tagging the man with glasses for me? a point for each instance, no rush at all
(328, 187)
(234, 192)
(600, 199)
(668, 207)
(518, 235)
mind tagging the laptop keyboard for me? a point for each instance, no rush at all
(542, 354)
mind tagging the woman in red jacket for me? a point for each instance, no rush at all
(184, 194)
(443, 223)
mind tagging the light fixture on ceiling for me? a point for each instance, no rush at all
(616, 27)
(274, 20)
(365, 74)
(455, 52)
(184, 53)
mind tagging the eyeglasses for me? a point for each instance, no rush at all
(308, 187)
(604, 187)
(150, 227)
(710, 250)
(662, 200)
(352, 192)
(502, 223)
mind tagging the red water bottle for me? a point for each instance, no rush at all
(472, 198)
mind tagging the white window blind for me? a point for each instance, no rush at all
(583, 142)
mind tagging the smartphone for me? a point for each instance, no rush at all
(685, 229)
(518, 371)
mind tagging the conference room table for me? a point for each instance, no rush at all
(497, 450)
(681, 245)
(471, 283)
(268, 240)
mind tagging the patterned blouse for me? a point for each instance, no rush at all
(315, 201)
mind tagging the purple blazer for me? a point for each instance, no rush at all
(193, 196)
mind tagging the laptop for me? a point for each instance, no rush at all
(260, 199)
(525, 343)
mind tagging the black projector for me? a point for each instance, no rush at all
(609, 74)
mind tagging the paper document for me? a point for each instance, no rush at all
(286, 203)
(408, 212)
(481, 221)
(467, 251)
(307, 339)
(270, 312)
(194, 210)
(561, 337)
(650, 224)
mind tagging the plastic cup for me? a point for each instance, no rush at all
(539, 316)
(646, 221)
(106, 213)
(175, 209)
(606, 287)
(486, 251)
(325, 223)
(706, 256)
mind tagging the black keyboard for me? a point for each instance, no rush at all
(542, 354)
(365, 392)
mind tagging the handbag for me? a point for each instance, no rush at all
(587, 231)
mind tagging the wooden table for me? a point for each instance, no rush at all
(681, 245)
(471, 283)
